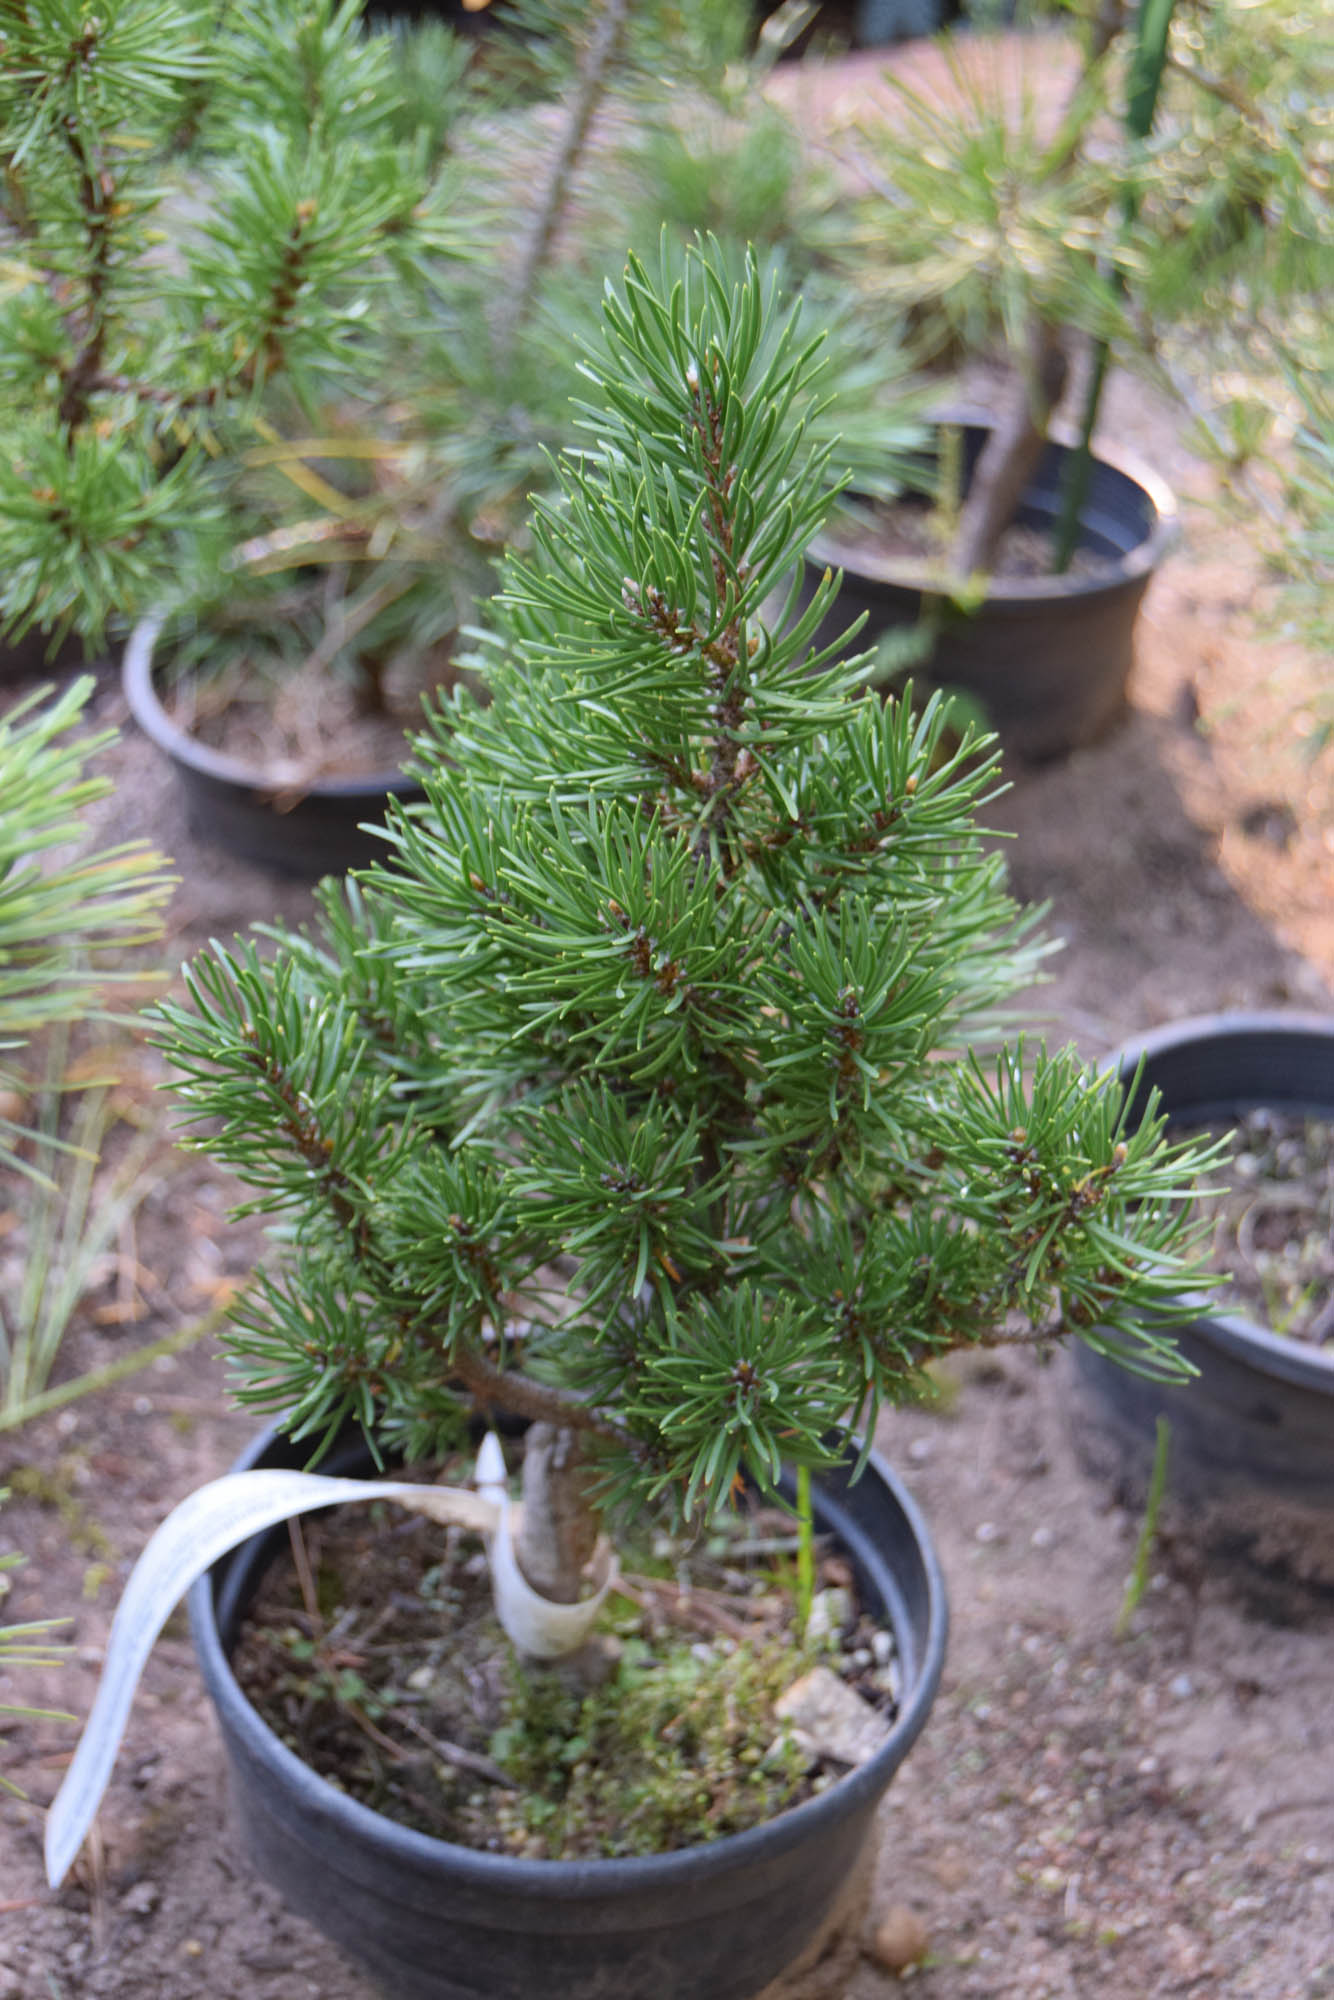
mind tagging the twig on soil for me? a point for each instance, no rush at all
(456, 1754)
(304, 1575)
(1317, 1803)
(449, 1753)
(697, 1608)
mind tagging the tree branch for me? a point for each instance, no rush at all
(541, 231)
(503, 1388)
(96, 195)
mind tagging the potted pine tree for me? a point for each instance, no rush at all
(206, 221)
(196, 213)
(1168, 195)
(216, 228)
(650, 1095)
(1250, 1444)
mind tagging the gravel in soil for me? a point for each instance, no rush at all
(1272, 1201)
(376, 1656)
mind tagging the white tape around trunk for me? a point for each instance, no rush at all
(538, 1627)
(228, 1511)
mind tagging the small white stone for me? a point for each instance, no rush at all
(830, 1612)
(1182, 1686)
(882, 1648)
(142, 1899)
(1042, 1538)
(838, 1722)
(989, 1531)
(920, 1450)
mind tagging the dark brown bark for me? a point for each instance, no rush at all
(97, 197)
(508, 1389)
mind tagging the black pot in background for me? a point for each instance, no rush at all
(1250, 1471)
(30, 659)
(1047, 658)
(434, 1921)
(320, 830)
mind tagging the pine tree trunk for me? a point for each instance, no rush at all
(539, 238)
(559, 1530)
(1010, 458)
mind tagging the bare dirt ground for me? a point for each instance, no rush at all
(1129, 1817)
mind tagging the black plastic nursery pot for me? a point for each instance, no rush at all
(30, 658)
(435, 1921)
(319, 830)
(1047, 658)
(1250, 1469)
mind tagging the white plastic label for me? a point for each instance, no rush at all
(227, 1512)
(191, 1539)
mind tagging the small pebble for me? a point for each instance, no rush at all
(920, 1450)
(1182, 1686)
(882, 1648)
(1042, 1538)
(889, 1679)
(142, 1899)
(899, 1940)
(838, 1722)
(989, 1531)
(830, 1612)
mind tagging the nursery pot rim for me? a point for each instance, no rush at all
(1245, 1340)
(137, 679)
(1003, 594)
(575, 1879)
